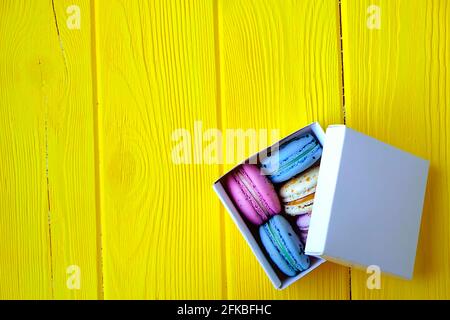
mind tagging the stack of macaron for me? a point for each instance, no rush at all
(289, 173)
(298, 198)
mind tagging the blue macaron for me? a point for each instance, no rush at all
(291, 158)
(283, 246)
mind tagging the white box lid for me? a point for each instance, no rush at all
(368, 203)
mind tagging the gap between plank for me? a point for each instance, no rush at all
(49, 217)
(95, 103)
(63, 53)
(219, 126)
(341, 60)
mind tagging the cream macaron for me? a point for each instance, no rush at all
(298, 193)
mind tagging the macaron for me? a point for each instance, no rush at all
(303, 226)
(284, 246)
(252, 193)
(298, 193)
(304, 236)
(292, 157)
(303, 221)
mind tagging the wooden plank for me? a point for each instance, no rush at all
(280, 69)
(47, 219)
(161, 228)
(25, 271)
(396, 89)
(71, 160)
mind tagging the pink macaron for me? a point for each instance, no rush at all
(252, 193)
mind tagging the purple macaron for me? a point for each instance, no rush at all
(303, 221)
(304, 236)
(303, 225)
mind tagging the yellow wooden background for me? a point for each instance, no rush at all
(87, 116)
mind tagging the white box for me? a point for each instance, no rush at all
(368, 203)
(367, 207)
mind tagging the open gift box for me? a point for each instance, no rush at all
(367, 205)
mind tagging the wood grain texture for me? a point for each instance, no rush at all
(25, 254)
(397, 89)
(158, 66)
(71, 160)
(279, 69)
(47, 219)
(161, 228)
